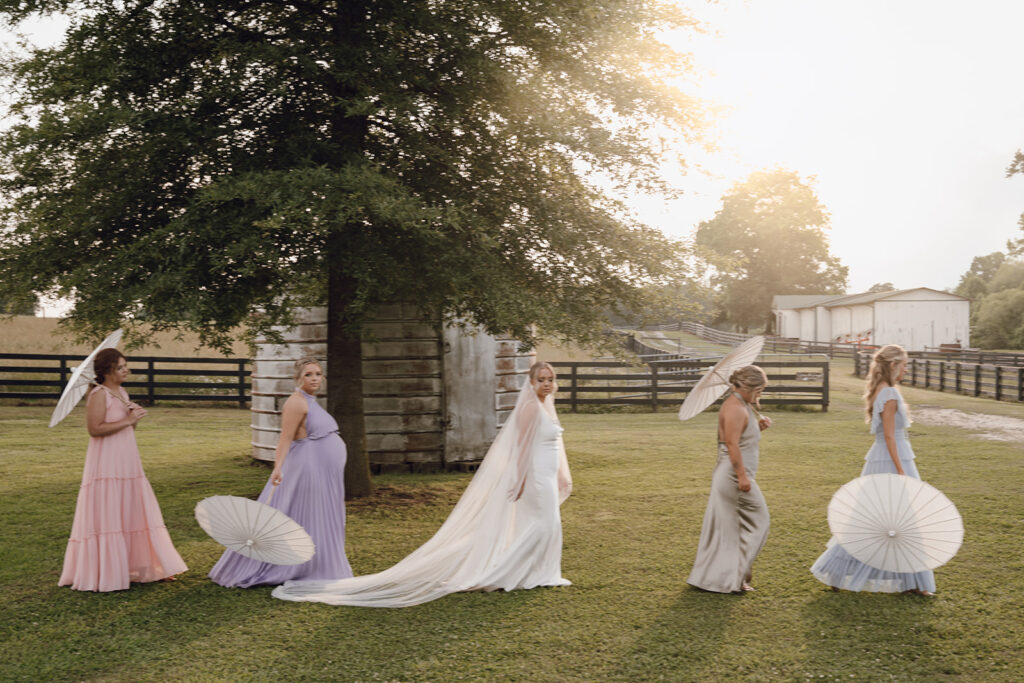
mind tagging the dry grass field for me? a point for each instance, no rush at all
(28, 334)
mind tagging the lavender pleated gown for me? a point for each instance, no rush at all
(312, 492)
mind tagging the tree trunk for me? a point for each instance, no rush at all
(345, 384)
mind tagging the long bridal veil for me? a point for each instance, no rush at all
(472, 542)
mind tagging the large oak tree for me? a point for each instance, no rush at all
(770, 237)
(212, 164)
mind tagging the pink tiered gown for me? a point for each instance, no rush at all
(118, 535)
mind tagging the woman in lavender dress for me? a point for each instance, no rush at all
(307, 484)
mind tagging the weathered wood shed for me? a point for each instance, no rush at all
(434, 397)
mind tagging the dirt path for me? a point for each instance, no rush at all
(991, 427)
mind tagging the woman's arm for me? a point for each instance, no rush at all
(292, 416)
(96, 413)
(733, 420)
(889, 431)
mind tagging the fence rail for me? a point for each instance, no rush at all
(40, 375)
(971, 356)
(667, 382)
(1001, 382)
(771, 344)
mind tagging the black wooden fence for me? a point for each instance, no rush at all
(40, 375)
(1001, 382)
(771, 344)
(971, 356)
(667, 382)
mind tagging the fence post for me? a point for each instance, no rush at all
(959, 366)
(241, 384)
(927, 373)
(1020, 384)
(572, 386)
(825, 367)
(977, 379)
(913, 372)
(942, 375)
(999, 382)
(63, 372)
(654, 388)
(151, 390)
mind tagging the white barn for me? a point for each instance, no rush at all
(912, 318)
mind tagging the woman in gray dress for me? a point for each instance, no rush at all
(736, 519)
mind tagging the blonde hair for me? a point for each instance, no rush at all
(541, 365)
(883, 369)
(301, 364)
(749, 377)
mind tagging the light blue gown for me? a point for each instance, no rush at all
(836, 567)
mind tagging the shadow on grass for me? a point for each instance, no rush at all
(70, 634)
(870, 636)
(683, 638)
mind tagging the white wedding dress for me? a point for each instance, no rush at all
(505, 533)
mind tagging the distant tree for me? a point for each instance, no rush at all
(1017, 166)
(995, 284)
(998, 322)
(208, 165)
(882, 287)
(769, 237)
(1010, 275)
(974, 283)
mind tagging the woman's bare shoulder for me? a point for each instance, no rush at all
(732, 405)
(296, 402)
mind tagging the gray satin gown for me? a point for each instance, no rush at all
(735, 522)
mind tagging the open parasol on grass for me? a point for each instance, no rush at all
(716, 381)
(254, 530)
(81, 378)
(895, 523)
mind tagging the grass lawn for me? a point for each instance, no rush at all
(631, 530)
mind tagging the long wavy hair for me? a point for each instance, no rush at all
(883, 369)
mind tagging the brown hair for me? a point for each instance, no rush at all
(883, 369)
(106, 362)
(301, 364)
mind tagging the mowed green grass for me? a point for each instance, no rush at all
(631, 528)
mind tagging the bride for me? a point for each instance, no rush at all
(504, 533)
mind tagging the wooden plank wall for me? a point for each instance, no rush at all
(403, 390)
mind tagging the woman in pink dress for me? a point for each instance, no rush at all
(118, 535)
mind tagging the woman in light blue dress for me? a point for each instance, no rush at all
(891, 453)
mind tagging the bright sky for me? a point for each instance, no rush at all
(907, 113)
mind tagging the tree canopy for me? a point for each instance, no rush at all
(769, 237)
(995, 284)
(187, 164)
(210, 165)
